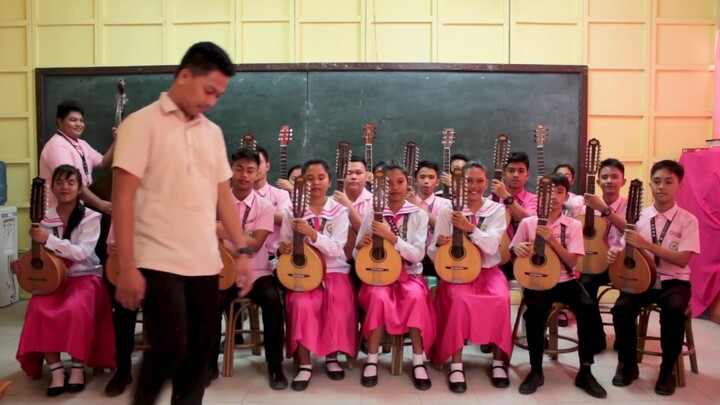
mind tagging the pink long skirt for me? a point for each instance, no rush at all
(477, 311)
(76, 319)
(323, 320)
(399, 307)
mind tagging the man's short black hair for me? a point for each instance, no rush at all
(429, 165)
(518, 157)
(673, 166)
(567, 166)
(204, 57)
(612, 162)
(459, 156)
(66, 107)
(245, 153)
(358, 159)
(561, 180)
(261, 151)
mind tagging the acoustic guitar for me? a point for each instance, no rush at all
(369, 135)
(304, 269)
(458, 262)
(342, 161)
(411, 156)
(542, 270)
(42, 271)
(448, 138)
(634, 271)
(594, 228)
(500, 157)
(378, 263)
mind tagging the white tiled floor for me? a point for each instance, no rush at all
(249, 384)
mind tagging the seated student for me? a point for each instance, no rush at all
(77, 318)
(322, 321)
(456, 305)
(427, 179)
(670, 235)
(280, 199)
(563, 235)
(256, 215)
(511, 192)
(574, 205)
(356, 198)
(287, 184)
(612, 207)
(405, 305)
(457, 161)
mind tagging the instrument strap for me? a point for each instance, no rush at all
(319, 226)
(399, 233)
(655, 239)
(564, 245)
(79, 151)
(56, 232)
(245, 215)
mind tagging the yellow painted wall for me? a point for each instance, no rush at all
(651, 61)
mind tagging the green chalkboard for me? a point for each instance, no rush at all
(327, 103)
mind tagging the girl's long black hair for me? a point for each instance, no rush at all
(67, 171)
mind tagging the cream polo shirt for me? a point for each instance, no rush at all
(180, 164)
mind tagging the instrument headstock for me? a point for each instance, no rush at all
(448, 137)
(369, 133)
(501, 152)
(544, 195)
(592, 156)
(411, 156)
(342, 159)
(459, 192)
(541, 134)
(634, 204)
(38, 200)
(248, 141)
(285, 135)
(379, 191)
(121, 101)
(299, 197)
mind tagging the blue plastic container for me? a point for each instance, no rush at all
(3, 183)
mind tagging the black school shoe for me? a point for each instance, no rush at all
(457, 387)
(301, 385)
(625, 375)
(665, 384)
(369, 381)
(423, 384)
(500, 382)
(117, 384)
(77, 387)
(55, 391)
(334, 375)
(587, 382)
(531, 383)
(276, 378)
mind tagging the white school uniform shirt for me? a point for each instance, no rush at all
(574, 242)
(433, 204)
(575, 204)
(485, 236)
(364, 203)
(682, 236)
(260, 217)
(411, 250)
(78, 252)
(280, 199)
(331, 239)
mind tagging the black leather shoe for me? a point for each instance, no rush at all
(665, 384)
(77, 387)
(457, 387)
(589, 384)
(499, 382)
(369, 381)
(625, 375)
(531, 383)
(117, 384)
(277, 380)
(55, 391)
(334, 375)
(301, 385)
(422, 384)
(485, 348)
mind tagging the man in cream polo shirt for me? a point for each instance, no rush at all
(170, 184)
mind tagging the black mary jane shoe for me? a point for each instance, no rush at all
(334, 375)
(423, 384)
(301, 385)
(499, 382)
(77, 387)
(457, 387)
(369, 381)
(55, 391)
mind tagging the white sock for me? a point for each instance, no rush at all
(333, 367)
(456, 377)
(498, 372)
(304, 373)
(76, 373)
(420, 373)
(371, 371)
(58, 375)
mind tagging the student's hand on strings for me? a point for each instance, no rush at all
(39, 235)
(285, 185)
(446, 179)
(285, 248)
(442, 240)
(635, 239)
(613, 254)
(595, 202)
(459, 221)
(382, 229)
(498, 188)
(302, 227)
(16, 266)
(523, 249)
(131, 287)
(546, 233)
(365, 241)
(342, 198)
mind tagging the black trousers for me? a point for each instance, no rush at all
(672, 298)
(539, 303)
(124, 325)
(180, 312)
(507, 270)
(428, 267)
(266, 293)
(592, 283)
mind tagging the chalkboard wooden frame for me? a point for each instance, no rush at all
(580, 70)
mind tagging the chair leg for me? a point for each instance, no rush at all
(516, 327)
(680, 371)
(552, 335)
(691, 343)
(396, 361)
(643, 321)
(351, 361)
(229, 355)
(255, 329)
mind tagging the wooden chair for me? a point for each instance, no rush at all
(552, 336)
(237, 307)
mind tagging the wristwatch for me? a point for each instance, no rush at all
(247, 250)
(606, 212)
(509, 200)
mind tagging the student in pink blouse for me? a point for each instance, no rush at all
(563, 235)
(66, 147)
(256, 215)
(670, 235)
(322, 321)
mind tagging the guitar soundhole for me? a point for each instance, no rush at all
(537, 260)
(629, 263)
(588, 232)
(457, 253)
(378, 254)
(36, 264)
(299, 260)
